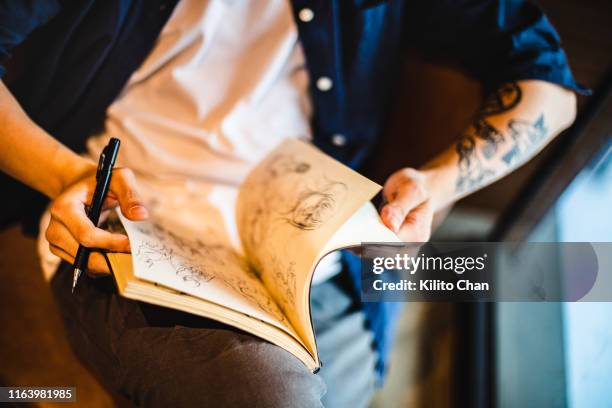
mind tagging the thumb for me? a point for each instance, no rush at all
(407, 197)
(123, 185)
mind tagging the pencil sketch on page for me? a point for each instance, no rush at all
(286, 197)
(153, 253)
(198, 262)
(286, 193)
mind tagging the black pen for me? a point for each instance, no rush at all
(103, 178)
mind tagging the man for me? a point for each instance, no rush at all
(201, 90)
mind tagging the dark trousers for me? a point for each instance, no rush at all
(158, 357)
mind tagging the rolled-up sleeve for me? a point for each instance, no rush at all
(494, 40)
(18, 18)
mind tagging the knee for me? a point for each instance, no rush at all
(234, 370)
(263, 375)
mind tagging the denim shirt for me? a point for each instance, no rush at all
(85, 52)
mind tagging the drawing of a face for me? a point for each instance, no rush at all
(315, 207)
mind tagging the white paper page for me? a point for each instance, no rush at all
(364, 226)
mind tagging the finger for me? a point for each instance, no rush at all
(417, 224)
(123, 185)
(59, 252)
(96, 264)
(401, 201)
(72, 215)
(58, 235)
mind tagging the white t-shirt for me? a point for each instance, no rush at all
(223, 85)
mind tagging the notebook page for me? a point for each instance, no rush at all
(199, 266)
(289, 206)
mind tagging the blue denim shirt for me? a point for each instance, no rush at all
(85, 52)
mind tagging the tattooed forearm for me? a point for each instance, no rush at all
(515, 122)
(485, 151)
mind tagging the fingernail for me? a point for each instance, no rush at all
(138, 211)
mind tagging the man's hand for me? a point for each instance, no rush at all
(409, 206)
(69, 225)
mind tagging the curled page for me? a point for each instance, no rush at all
(288, 208)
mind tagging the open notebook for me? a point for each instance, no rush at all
(295, 207)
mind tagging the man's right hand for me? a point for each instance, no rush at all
(69, 225)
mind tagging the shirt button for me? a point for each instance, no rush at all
(306, 15)
(324, 84)
(338, 140)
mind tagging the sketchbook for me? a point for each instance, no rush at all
(295, 206)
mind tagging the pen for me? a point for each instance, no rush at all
(103, 178)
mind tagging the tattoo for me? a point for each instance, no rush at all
(490, 135)
(471, 171)
(523, 136)
(506, 97)
(526, 136)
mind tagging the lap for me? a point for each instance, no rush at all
(161, 357)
